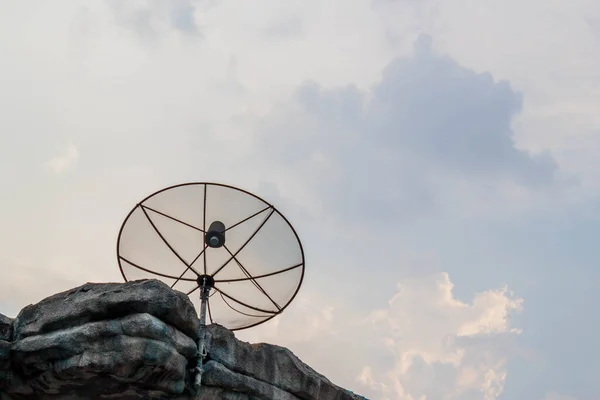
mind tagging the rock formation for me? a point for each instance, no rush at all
(137, 340)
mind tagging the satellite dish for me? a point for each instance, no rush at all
(238, 252)
(235, 244)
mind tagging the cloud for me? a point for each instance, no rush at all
(425, 344)
(428, 331)
(453, 117)
(317, 315)
(430, 134)
(149, 18)
(65, 161)
(379, 136)
(284, 28)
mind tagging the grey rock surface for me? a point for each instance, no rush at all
(217, 375)
(6, 328)
(156, 358)
(93, 302)
(285, 370)
(7, 376)
(137, 340)
(4, 355)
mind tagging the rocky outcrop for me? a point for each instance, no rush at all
(93, 302)
(284, 368)
(6, 332)
(137, 340)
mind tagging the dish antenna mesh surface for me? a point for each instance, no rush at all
(236, 251)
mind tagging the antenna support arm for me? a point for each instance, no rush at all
(205, 282)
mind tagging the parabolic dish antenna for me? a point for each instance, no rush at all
(236, 256)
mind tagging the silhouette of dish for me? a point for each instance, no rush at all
(243, 245)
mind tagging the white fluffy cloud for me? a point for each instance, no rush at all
(425, 344)
(64, 161)
(429, 331)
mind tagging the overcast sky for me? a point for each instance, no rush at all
(437, 157)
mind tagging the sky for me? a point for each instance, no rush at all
(437, 158)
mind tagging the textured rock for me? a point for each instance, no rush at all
(273, 364)
(71, 341)
(211, 393)
(137, 341)
(6, 328)
(135, 350)
(93, 302)
(6, 331)
(4, 354)
(101, 339)
(219, 376)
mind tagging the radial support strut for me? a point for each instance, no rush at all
(205, 282)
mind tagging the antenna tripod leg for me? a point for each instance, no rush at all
(205, 289)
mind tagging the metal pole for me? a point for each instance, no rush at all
(204, 291)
